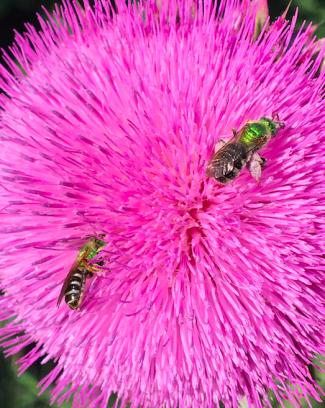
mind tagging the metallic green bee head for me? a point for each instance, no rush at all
(273, 125)
(94, 246)
(99, 244)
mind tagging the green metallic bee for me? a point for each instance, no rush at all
(74, 284)
(230, 157)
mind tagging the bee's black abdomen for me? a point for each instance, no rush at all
(238, 164)
(227, 162)
(223, 180)
(231, 175)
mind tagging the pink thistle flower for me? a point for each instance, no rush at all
(208, 293)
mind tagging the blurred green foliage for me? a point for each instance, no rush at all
(309, 10)
(21, 392)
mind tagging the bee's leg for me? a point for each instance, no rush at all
(234, 132)
(219, 145)
(91, 269)
(94, 268)
(255, 166)
(275, 116)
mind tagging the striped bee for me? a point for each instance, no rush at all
(240, 151)
(73, 287)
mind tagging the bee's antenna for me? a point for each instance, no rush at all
(101, 236)
(91, 223)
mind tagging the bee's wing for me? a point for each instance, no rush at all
(235, 137)
(67, 279)
(210, 170)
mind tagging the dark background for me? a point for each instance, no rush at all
(22, 392)
(14, 13)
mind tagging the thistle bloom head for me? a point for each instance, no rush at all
(208, 292)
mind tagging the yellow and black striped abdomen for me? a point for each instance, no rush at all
(76, 287)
